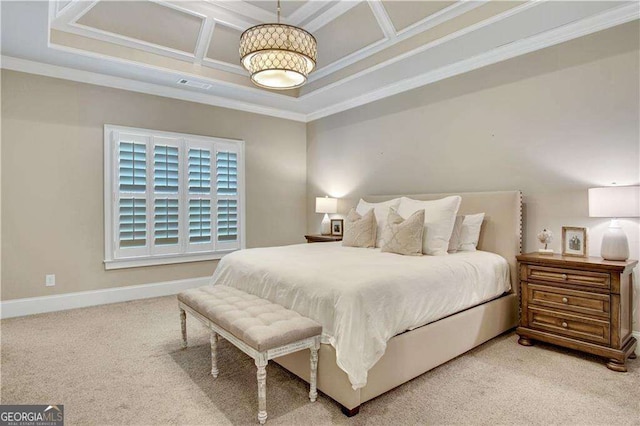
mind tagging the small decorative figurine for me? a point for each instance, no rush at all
(545, 237)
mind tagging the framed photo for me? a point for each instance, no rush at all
(336, 227)
(574, 241)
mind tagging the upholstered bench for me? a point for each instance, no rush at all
(261, 329)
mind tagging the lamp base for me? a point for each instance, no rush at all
(325, 227)
(615, 245)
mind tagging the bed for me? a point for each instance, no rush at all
(388, 318)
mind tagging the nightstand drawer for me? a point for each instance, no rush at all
(563, 323)
(568, 276)
(569, 300)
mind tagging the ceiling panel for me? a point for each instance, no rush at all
(486, 11)
(406, 13)
(322, 7)
(287, 7)
(338, 39)
(146, 21)
(224, 45)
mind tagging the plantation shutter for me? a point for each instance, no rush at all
(227, 214)
(165, 165)
(133, 222)
(166, 196)
(131, 208)
(200, 232)
(133, 167)
(170, 197)
(199, 171)
(199, 221)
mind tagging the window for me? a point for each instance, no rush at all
(171, 197)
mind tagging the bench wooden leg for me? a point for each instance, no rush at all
(313, 392)
(214, 354)
(261, 363)
(183, 327)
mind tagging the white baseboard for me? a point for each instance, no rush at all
(636, 334)
(81, 299)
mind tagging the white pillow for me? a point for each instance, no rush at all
(439, 218)
(381, 211)
(454, 241)
(470, 232)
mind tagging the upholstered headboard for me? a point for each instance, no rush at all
(502, 227)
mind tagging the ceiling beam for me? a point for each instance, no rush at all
(305, 11)
(204, 39)
(246, 9)
(71, 12)
(383, 18)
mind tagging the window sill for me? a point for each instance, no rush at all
(135, 262)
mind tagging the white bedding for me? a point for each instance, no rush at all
(363, 297)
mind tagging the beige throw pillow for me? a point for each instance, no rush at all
(404, 236)
(381, 211)
(360, 231)
(439, 217)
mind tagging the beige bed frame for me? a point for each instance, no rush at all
(415, 352)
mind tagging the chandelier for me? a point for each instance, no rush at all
(278, 56)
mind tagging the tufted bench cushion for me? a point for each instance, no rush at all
(261, 324)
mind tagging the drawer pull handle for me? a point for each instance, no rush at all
(564, 324)
(565, 300)
(564, 276)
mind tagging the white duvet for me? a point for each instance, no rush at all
(363, 297)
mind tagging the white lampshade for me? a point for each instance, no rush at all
(614, 201)
(326, 205)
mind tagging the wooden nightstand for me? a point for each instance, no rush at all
(322, 238)
(579, 303)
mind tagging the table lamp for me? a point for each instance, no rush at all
(326, 205)
(614, 202)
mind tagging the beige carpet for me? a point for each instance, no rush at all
(122, 364)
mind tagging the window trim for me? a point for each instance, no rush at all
(111, 199)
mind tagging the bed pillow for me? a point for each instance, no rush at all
(439, 218)
(470, 232)
(360, 230)
(381, 211)
(403, 236)
(454, 241)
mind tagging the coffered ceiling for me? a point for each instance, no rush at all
(367, 50)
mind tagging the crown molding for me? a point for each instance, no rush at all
(39, 68)
(567, 32)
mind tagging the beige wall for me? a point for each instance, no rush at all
(52, 180)
(552, 124)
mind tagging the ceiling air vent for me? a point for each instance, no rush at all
(196, 84)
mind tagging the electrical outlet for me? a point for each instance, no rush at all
(50, 280)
